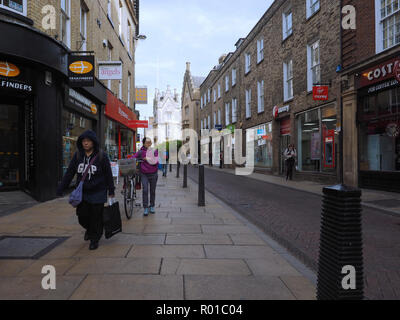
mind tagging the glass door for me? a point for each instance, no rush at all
(9, 147)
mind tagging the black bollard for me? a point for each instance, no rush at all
(185, 176)
(202, 196)
(178, 168)
(340, 245)
(170, 168)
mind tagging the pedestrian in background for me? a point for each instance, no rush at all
(290, 159)
(148, 174)
(166, 161)
(98, 182)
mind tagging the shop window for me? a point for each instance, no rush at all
(263, 150)
(71, 133)
(17, 6)
(309, 141)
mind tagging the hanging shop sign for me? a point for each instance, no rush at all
(110, 70)
(81, 70)
(79, 101)
(381, 72)
(141, 95)
(277, 111)
(321, 93)
(135, 124)
(12, 78)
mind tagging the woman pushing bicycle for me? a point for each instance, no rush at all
(148, 174)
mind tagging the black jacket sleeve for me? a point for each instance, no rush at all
(69, 175)
(108, 175)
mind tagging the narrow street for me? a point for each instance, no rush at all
(293, 219)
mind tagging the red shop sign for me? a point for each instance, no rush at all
(321, 93)
(138, 124)
(118, 111)
(381, 72)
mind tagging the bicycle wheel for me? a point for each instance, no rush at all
(127, 199)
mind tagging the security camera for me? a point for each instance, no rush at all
(105, 43)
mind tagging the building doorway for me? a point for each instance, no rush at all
(10, 147)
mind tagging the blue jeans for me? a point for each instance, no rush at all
(164, 169)
(149, 183)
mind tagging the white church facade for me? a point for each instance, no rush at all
(167, 116)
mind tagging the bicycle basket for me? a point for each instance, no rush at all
(127, 167)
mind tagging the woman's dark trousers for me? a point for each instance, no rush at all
(90, 217)
(290, 168)
(149, 182)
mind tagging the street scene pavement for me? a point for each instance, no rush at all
(183, 252)
(290, 212)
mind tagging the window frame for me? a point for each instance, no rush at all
(248, 104)
(247, 64)
(260, 50)
(24, 8)
(260, 97)
(309, 5)
(287, 32)
(287, 96)
(311, 67)
(67, 16)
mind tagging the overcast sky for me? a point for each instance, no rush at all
(197, 31)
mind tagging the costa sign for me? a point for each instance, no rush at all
(9, 70)
(387, 70)
(277, 111)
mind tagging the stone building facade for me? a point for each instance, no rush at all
(42, 113)
(274, 67)
(191, 100)
(371, 96)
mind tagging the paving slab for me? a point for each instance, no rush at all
(300, 287)
(61, 266)
(226, 229)
(116, 266)
(238, 252)
(273, 266)
(198, 239)
(236, 288)
(137, 239)
(213, 267)
(198, 221)
(11, 268)
(104, 251)
(179, 229)
(247, 239)
(30, 288)
(167, 251)
(130, 287)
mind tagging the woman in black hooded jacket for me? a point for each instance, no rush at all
(98, 182)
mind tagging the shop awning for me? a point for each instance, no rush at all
(118, 111)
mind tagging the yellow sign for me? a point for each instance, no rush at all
(81, 67)
(8, 70)
(141, 95)
(93, 107)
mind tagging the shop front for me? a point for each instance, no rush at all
(379, 126)
(79, 114)
(119, 138)
(16, 125)
(317, 142)
(263, 145)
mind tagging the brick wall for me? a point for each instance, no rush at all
(97, 10)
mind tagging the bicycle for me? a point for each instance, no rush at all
(128, 169)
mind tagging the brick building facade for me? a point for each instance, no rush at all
(43, 114)
(371, 96)
(274, 68)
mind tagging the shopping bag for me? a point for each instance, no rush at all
(112, 220)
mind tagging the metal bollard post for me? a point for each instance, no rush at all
(341, 252)
(170, 168)
(178, 168)
(185, 176)
(202, 196)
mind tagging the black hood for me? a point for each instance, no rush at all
(88, 135)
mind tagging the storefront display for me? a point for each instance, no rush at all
(379, 116)
(263, 149)
(317, 140)
(119, 137)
